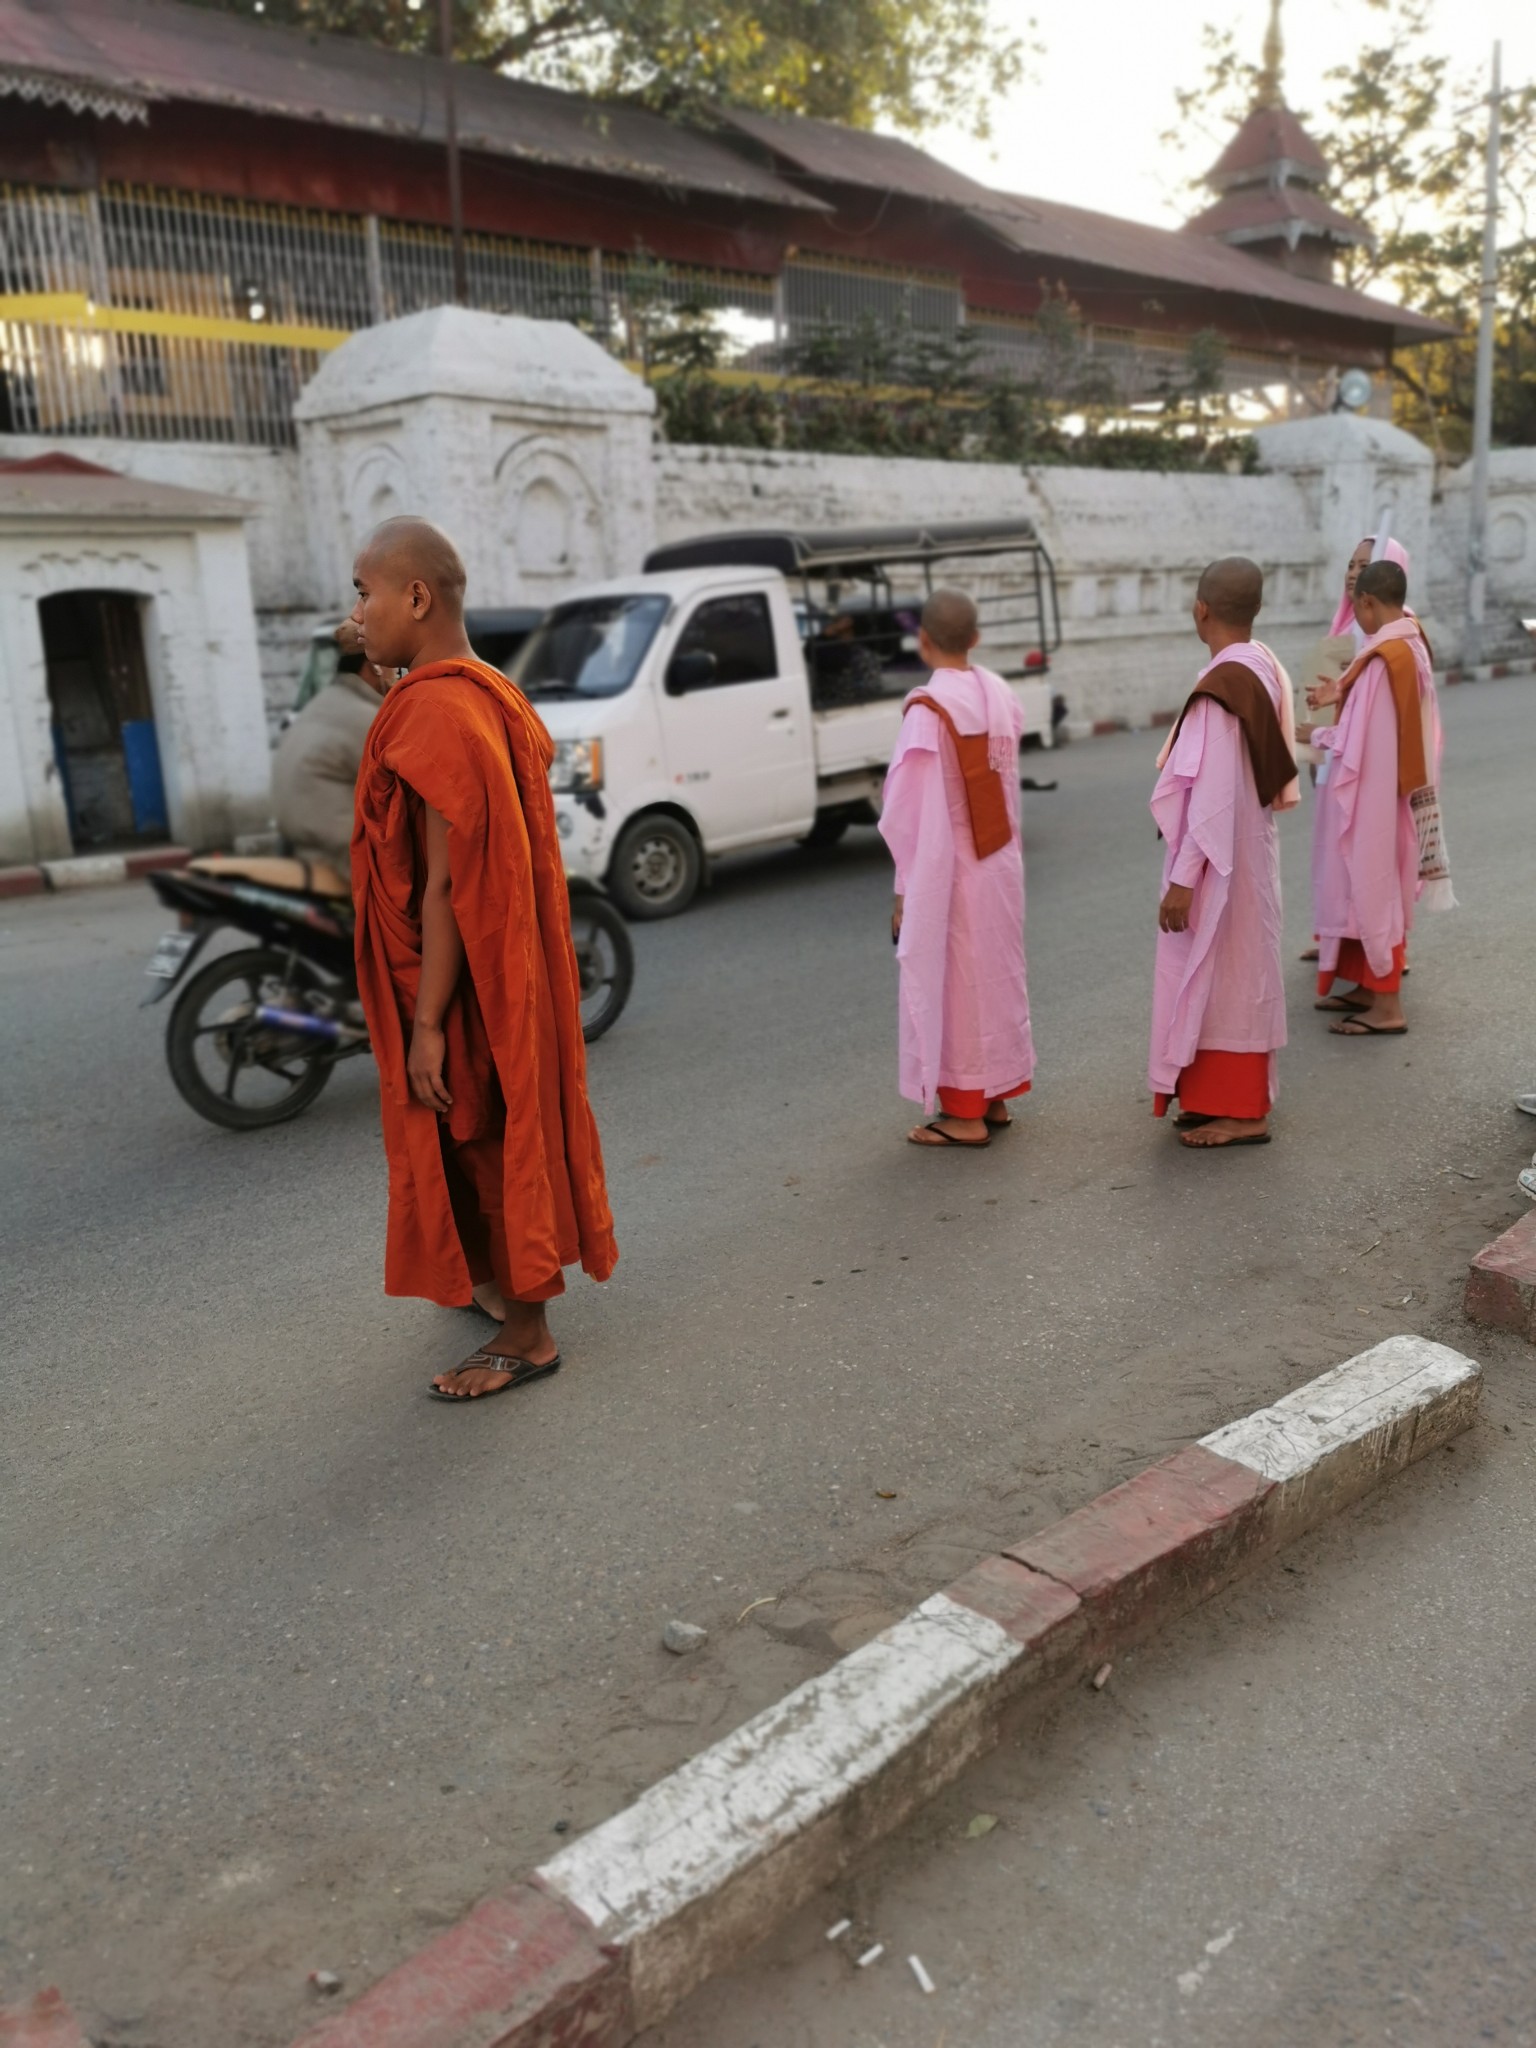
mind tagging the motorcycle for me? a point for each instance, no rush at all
(256, 1033)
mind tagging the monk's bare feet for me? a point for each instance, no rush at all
(1226, 1130)
(487, 1297)
(525, 1334)
(1383, 1018)
(1346, 999)
(951, 1130)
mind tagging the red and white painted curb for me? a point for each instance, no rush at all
(608, 1937)
(1501, 1283)
(90, 871)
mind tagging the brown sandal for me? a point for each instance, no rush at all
(519, 1370)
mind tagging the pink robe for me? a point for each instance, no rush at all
(1218, 984)
(1365, 844)
(964, 1005)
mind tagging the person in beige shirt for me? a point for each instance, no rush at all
(314, 770)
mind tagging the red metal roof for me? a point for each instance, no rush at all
(1162, 256)
(1270, 135)
(1246, 216)
(834, 155)
(163, 50)
(159, 50)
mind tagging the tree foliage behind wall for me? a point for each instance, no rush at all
(1405, 129)
(871, 388)
(910, 62)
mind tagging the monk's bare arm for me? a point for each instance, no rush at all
(442, 962)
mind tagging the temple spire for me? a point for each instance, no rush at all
(1271, 87)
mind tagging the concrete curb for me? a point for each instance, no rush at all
(607, 1937)
(1492, 671)
(1501, 1282)
(91, 870)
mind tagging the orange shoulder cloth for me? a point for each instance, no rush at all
(1403, 675)
(460, 738)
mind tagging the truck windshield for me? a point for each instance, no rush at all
(591, 647)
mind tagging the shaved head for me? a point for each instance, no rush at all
(414, 550)
(1384, 581)
(949, 619)
(409, 579)
(1232, 590)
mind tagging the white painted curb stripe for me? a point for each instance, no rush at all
(687, 1837)
(1374, 1392)
(85, 870)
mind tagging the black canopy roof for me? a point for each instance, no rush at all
(846, 548)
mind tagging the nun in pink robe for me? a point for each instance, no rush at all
(1366, 856)
(964, 1005)
(1218, 995)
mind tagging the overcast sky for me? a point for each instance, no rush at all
(1086, 128)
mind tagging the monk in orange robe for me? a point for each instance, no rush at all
(468, 977)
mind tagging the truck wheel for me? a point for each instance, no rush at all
(656, 867)
(827, 830)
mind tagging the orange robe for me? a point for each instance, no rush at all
(458, 737)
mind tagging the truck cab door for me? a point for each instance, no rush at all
(736, 725)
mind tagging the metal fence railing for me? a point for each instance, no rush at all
(175, 316)
(841, 295)
(170, 315)
(1134, 367)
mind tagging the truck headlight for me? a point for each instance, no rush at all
(577, 767)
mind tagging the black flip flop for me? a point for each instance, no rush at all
(1191, 1120)
(1226, 1145)
(1369, 1030)
(960, 1144)
(1340, 1006)
(523, 1370)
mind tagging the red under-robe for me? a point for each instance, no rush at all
(509, 1183)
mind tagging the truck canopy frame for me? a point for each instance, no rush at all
(1006, 550)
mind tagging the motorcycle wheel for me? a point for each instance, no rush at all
(242, 1075)
(605, 959)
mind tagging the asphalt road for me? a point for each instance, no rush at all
(297, 1663)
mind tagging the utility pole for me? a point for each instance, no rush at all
(1482, 405)
(451, 130)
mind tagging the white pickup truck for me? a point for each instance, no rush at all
(747, 688)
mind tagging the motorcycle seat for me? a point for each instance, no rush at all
(274, 871)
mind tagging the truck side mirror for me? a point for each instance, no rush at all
(687, 672)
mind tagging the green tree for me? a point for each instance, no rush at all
(912, 63)
(1405, 127)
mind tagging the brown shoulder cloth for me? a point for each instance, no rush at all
(985, 797)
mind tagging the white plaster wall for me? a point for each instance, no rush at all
(1511, 555)
(200, 649)
(1350, 470)
(1127, 545)
(283, 572)
(534, 450)
(527, 443)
